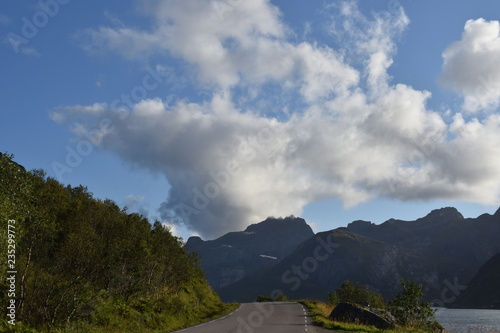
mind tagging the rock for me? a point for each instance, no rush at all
(354, 313)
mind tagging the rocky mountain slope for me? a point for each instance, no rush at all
(233, 256)
(483, 290)
(438, 250)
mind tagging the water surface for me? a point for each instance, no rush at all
(469, 320)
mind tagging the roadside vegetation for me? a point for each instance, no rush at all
(87, 265)
(321, 310)
(278, 298)
(409, 309)
(351, 292)
(411, 314)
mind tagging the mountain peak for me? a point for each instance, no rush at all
(234, 255)
(361, 227)
(272, 222)
(443, 214)
(497, 213)
(194, 241)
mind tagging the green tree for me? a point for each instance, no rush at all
(409, 309)
(351, 292)
(16, 189)
(81, 260)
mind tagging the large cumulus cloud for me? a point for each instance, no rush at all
(352, 134)
(472, 65)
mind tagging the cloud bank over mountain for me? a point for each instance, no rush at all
(288, 122)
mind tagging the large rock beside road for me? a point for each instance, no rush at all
(354, 313)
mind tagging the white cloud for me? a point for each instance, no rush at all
(128, 42)
(227, 169)
(323, 72)
(471, 66)
(132, 199)
(356, 136)
(57, 117)
(371, 42)
(244, 44)
(135, 203)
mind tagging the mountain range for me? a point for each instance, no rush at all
(443, 251)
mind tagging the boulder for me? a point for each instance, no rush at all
(355, 313)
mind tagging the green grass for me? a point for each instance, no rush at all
(320, 312)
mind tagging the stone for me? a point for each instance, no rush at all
(355, 313)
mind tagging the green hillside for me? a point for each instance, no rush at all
(86, 265)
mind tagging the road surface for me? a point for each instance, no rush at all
(277, 317)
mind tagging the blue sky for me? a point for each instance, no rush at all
(210, 115)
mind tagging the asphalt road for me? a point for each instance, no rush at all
(278, 317)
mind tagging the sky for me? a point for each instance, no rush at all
(210, 115)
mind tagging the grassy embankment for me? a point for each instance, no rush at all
(182, 310)
(194, 304)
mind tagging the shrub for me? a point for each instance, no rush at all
(356, 293)
(262, 298)
(410, 311)
(279, 298)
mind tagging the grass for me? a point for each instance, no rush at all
(320, 312)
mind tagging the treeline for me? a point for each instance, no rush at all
(84, 264)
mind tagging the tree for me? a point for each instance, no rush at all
(356, 293)
(409, 309)
(79, 258)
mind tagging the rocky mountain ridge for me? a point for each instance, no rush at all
(438, 250)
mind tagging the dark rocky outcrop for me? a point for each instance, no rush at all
(354, 313)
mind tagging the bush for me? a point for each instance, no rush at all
(279, 298)
(410, 311)
(262, 298)
(356, 293)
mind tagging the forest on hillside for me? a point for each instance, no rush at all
(77, 263)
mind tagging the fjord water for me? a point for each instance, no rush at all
(469, 320)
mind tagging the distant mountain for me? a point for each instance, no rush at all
(235, 255)
(436, 250)
(483, 290)
(409, 234)
(320, 265)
